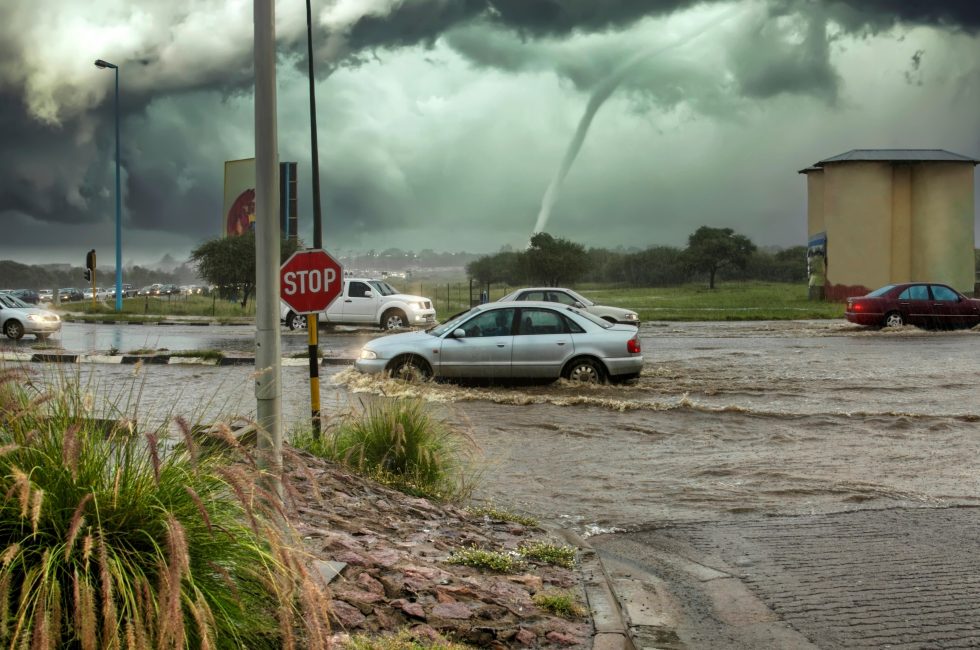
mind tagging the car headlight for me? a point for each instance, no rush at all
(368, 354)
(631, 316)
(33, 317)
(418, 305)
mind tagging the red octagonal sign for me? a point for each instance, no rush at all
(310, 280)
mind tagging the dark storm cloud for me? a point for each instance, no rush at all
(861, 14)
(55, 107)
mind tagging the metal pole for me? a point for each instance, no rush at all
(313, 345)
(118, 209)
(268, 385)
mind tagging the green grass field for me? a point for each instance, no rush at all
(693, 302)
(729, 301)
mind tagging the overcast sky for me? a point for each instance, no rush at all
(443, 122)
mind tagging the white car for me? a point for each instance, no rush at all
(573, 299)
(18, 318)
(369, 302)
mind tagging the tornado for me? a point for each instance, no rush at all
(602, 92)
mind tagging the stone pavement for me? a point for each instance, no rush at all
(899, 578)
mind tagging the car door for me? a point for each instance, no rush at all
(915, 305)
(486, 349)
(542, 343)
(946, 307)
(359, 303)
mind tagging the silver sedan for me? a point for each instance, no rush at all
(504, 340)
(569, 297)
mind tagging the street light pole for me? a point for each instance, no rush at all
(99, 63)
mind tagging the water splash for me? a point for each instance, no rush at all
(599, 96)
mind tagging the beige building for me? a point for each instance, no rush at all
(892, 215)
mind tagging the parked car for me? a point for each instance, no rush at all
(926, 304)
(18, 318)
(70, 295)
(574, 299)
(504, 340)
(369, 302)
(27, 295)
(45, 295)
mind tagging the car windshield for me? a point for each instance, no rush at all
(604, 324)
(582, 299)
(14, 303)
(452, 323)
(877, 293)
(383, 288)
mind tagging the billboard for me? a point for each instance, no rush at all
(239, 200)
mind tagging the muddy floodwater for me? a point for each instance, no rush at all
(727, 419)
(799, 417)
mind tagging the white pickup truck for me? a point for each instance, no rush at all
(369, 302)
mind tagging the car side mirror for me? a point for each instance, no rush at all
(459, 333)
(369, 294)
(579, 305)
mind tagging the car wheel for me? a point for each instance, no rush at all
(411, 369)
(393, 319)
(295, 321)
(13, 329)
(894, 319)
(584, 371)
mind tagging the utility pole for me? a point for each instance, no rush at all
(268, 371)
(313, 344)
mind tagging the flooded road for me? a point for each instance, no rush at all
(736, 418)
(727, 419)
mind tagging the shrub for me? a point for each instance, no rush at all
(497, 514)
(560, 603)
(493, 560)
(107, 539)
(399, 444)
(558, 555)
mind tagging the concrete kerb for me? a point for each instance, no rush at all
(611, 631)
(155, 359)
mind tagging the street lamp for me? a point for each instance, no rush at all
(99, 63)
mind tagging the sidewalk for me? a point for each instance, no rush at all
(158, 359)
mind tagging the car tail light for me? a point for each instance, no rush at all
(633, 345)
(858, 306)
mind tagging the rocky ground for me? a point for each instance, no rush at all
(391, 550)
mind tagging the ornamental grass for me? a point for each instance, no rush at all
(399, 443)
(115, 538)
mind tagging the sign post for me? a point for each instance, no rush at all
(309, 281)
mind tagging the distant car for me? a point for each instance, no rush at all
(70, 295)
(926, 304)
(27, 295)
(18, 318)
(45, 295)
(505, 340)
(574, 299)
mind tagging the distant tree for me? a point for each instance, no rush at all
(554, 261)
(229, 262)
(712, 249)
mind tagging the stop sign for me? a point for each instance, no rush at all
(310, 280)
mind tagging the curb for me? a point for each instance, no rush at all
(611, 631)
(192, 323)
(156, 359)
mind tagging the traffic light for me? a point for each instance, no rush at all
(90, 262)
(88, 275)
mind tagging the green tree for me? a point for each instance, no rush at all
(554, 261)
(229, 262)
(711, 249)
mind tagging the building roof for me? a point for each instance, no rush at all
(893, 155)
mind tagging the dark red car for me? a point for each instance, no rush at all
(925, 304)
